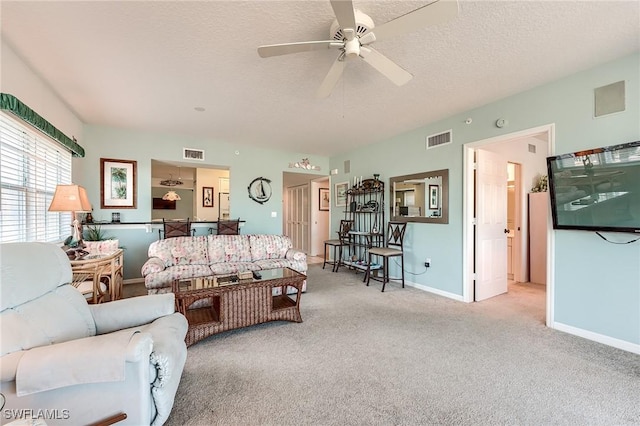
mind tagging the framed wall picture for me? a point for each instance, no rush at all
(341, 194)
(207, 196)
(434, 197)
(323, 199)
(118, 184)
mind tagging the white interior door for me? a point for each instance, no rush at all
(223, 206)
(491, 223)
(297, 227)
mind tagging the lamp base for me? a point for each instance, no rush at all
(75, 240)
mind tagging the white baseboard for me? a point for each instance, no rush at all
(600, 338)
(133, 281)
(434, 291)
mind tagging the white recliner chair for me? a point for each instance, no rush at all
(74, 363)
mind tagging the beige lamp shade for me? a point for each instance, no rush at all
(70, 198)
(171, 196)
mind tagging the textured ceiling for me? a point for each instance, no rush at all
(147, 64)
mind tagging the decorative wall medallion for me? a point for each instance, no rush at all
(260, 190)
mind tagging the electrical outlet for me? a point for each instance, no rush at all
(427, 262)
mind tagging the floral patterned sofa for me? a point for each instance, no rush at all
(188, 257)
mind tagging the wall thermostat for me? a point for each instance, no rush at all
(501, 122)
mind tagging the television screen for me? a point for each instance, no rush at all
(596, 189)
(160, 204)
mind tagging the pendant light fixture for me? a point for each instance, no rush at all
(172, 195)
(171, 181)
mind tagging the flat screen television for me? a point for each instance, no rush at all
(160, 204)
(596, 189)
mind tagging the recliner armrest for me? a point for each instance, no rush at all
(88, 360)
(131, 312)
(138, 348)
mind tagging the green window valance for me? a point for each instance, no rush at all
(13, 104)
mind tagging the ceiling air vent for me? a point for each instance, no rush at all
(439, 139)
(192, 154)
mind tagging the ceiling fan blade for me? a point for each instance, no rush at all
(385, 66)
(287, 48)
(332, 78)
(432, 14)
(345, 14)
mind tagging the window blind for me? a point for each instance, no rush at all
(31, 165)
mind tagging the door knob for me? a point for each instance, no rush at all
(506, 231)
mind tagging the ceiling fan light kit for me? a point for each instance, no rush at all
(171, 181)
(353, 32)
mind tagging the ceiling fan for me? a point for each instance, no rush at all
(353, 32)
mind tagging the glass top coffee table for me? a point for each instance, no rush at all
(225, 302)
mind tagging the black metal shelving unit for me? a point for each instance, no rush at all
(365, 206)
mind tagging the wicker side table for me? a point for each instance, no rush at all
(109, 266)
(237, 304)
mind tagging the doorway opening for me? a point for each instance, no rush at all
(491, 221)
(305, 220)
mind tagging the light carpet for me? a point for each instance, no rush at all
(406, 357)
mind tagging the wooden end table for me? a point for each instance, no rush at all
(105, 267)
(212, 307)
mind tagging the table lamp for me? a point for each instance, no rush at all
(71, 198)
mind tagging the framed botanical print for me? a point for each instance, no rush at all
(118, 184)
(341, 194)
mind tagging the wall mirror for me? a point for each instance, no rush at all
(420, 197)
(201, 193)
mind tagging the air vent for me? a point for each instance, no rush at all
(439, 139)
(192, 154)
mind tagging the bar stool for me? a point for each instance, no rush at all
(395, 237)
(343, 240)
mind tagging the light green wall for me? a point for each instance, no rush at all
(597, 284)
(106, 142)
(249, 163)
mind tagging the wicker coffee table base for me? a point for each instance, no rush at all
(238, 305)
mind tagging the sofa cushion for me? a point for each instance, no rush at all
(296, 265)
(190, 251)
(229, 248)
(269, 246)
(164, 278)
(233, 267)
(100, 247)
(180, 251)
